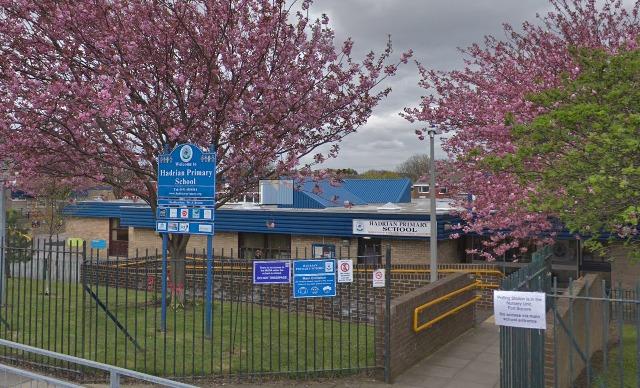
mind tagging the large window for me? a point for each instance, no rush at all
(264, 246)
(423, 189)
(369, 250)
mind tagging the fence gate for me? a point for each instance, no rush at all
(522, 352)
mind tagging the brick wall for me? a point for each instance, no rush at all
(345, 247)
(233, 280)
(87, 228)
(581, 331)
(418, 251)
(408, 347)
(624, 270)
(146, 241)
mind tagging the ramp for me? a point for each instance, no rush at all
(470, 361)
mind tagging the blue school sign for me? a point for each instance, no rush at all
(186, 191)
(314, 278)
(187, 172)
(186, 205)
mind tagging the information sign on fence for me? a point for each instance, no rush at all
(378, 278)
(345, 271)
(520, 309)
(314, 278)
(272, 272)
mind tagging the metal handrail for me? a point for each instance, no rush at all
(35, 376)
(416, 312)
(114, 371)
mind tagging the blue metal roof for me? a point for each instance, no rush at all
(315, 223)
(94, 209)
(322, 193)
(380, 190)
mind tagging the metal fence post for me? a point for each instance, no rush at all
(387, 318)
(3, 242)
(114, 379)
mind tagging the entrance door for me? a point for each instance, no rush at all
(118, 238)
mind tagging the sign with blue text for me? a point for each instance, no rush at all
(187, 172)
(186, 191)
(272, 272)
(314, 278)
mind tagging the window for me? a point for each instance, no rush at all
(369, 250)
(442, 190)
(423, 189)
(264, 246)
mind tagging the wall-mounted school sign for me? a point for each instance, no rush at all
(392, 228)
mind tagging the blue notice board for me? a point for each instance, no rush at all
(272, 272)
(314, 278)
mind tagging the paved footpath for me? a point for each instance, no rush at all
(470, 361)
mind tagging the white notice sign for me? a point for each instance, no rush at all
(520, 309)
(378, 278)
(345, 271)
(392, 228)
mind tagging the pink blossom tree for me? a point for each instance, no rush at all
(482, 102)
(94, 90)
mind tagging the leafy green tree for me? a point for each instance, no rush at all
(379, 174)
(18, 241)
(581, 157)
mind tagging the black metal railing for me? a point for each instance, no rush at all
(79, 302)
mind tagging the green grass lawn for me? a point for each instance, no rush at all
(628, 372)
(246, 338)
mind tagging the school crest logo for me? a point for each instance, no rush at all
(186, 153)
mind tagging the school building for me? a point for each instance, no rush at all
(356, 219)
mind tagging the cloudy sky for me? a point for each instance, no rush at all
(434, 29)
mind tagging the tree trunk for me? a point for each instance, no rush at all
(177, 267)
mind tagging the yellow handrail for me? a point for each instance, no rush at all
(416, 312)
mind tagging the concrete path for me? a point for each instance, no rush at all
(471, 361)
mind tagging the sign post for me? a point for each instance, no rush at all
(163, 313)
(186, 205)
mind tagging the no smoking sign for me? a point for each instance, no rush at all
(378, 278)
(345, 271)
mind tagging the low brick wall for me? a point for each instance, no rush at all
(560, 364)
(408, 347)
(357, 301)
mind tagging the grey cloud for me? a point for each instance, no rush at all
(434, 29)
